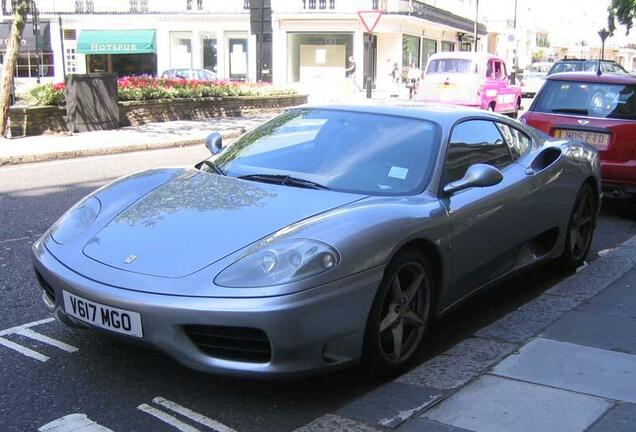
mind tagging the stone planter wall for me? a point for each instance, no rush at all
(26, 121)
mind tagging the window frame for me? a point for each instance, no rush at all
(443, 178)
(522, 132)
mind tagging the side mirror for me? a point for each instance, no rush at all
(478, 175)
(214, 143)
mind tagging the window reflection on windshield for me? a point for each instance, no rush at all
(345, 151)
(597, 99)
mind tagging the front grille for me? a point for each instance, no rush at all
(231, 343)
(48, 289)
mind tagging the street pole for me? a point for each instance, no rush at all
(369, 65)
(36, 32)
(603, 34)
(515, 59)
(476, 23)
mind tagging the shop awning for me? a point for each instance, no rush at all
(116, 42)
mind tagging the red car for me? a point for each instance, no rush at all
(597, 109)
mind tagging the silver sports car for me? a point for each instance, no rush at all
(325, 237)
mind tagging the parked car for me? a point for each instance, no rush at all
(533, 78)
(325, 237)
(599, 110)
(470, 79)
(194, 74)
(581, 65)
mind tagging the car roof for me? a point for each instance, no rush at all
(443, 114)
(469, 55)
(605, 77)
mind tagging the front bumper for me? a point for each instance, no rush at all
(317, 329)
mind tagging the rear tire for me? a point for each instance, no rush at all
(400, 315)
(580, 231)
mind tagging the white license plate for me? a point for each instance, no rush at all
(107, 317)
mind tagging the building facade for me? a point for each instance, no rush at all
(311, 40)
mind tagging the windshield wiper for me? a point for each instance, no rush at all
(283, 179)
(580, 111)
(214, 167)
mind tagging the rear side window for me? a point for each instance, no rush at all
(588, 99)
(473, 142)
(518, 142)
(451, 66)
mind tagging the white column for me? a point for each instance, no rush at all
(163, 50)
(221, 50)
(58, 54)
(251, 57)
(280, 56)
(197, 50)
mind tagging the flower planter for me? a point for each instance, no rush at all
(37, 120)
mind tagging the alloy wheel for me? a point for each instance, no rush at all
(404, 313)
(582, 226)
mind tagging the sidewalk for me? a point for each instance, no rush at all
(133, 138)
(565, 361)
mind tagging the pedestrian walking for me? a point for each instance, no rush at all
(413, 79)
(350, 76)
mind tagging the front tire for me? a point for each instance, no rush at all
(400, 315)
(580, 228)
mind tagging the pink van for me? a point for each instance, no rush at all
(471, 79)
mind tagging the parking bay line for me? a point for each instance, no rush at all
(167, 418)
(23, 350)
(47, 340)
(25, 330)
(73, 423)
(192, 415)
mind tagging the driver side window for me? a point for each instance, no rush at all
(473, 142)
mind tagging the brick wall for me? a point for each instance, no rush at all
(26, 121)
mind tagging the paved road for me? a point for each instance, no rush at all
(120, 386)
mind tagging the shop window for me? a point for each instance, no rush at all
(448, 46)
(429, 47)
(180, 50)
(318, 57)
(123, 64)
(71, 60)
(238, 58)
(26, 65)
(209, 53)
(410, 52)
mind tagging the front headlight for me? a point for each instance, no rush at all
(279, 263)
(76, 220)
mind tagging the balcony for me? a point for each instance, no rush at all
(419, 9)
(140, 6)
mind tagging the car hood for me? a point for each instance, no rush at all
(198, 218)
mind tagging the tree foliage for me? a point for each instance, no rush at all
(621, 12)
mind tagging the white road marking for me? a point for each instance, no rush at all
(167, 418)
(23, 326)
(192, 415)
(25, 330)
(47, 340)
(73, 423)
(23, 350)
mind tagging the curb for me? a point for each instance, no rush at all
(407, 397)
(101, 151)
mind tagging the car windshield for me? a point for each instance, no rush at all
(586, 66)
(450, 66)
(371, 154)
(594, 99)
